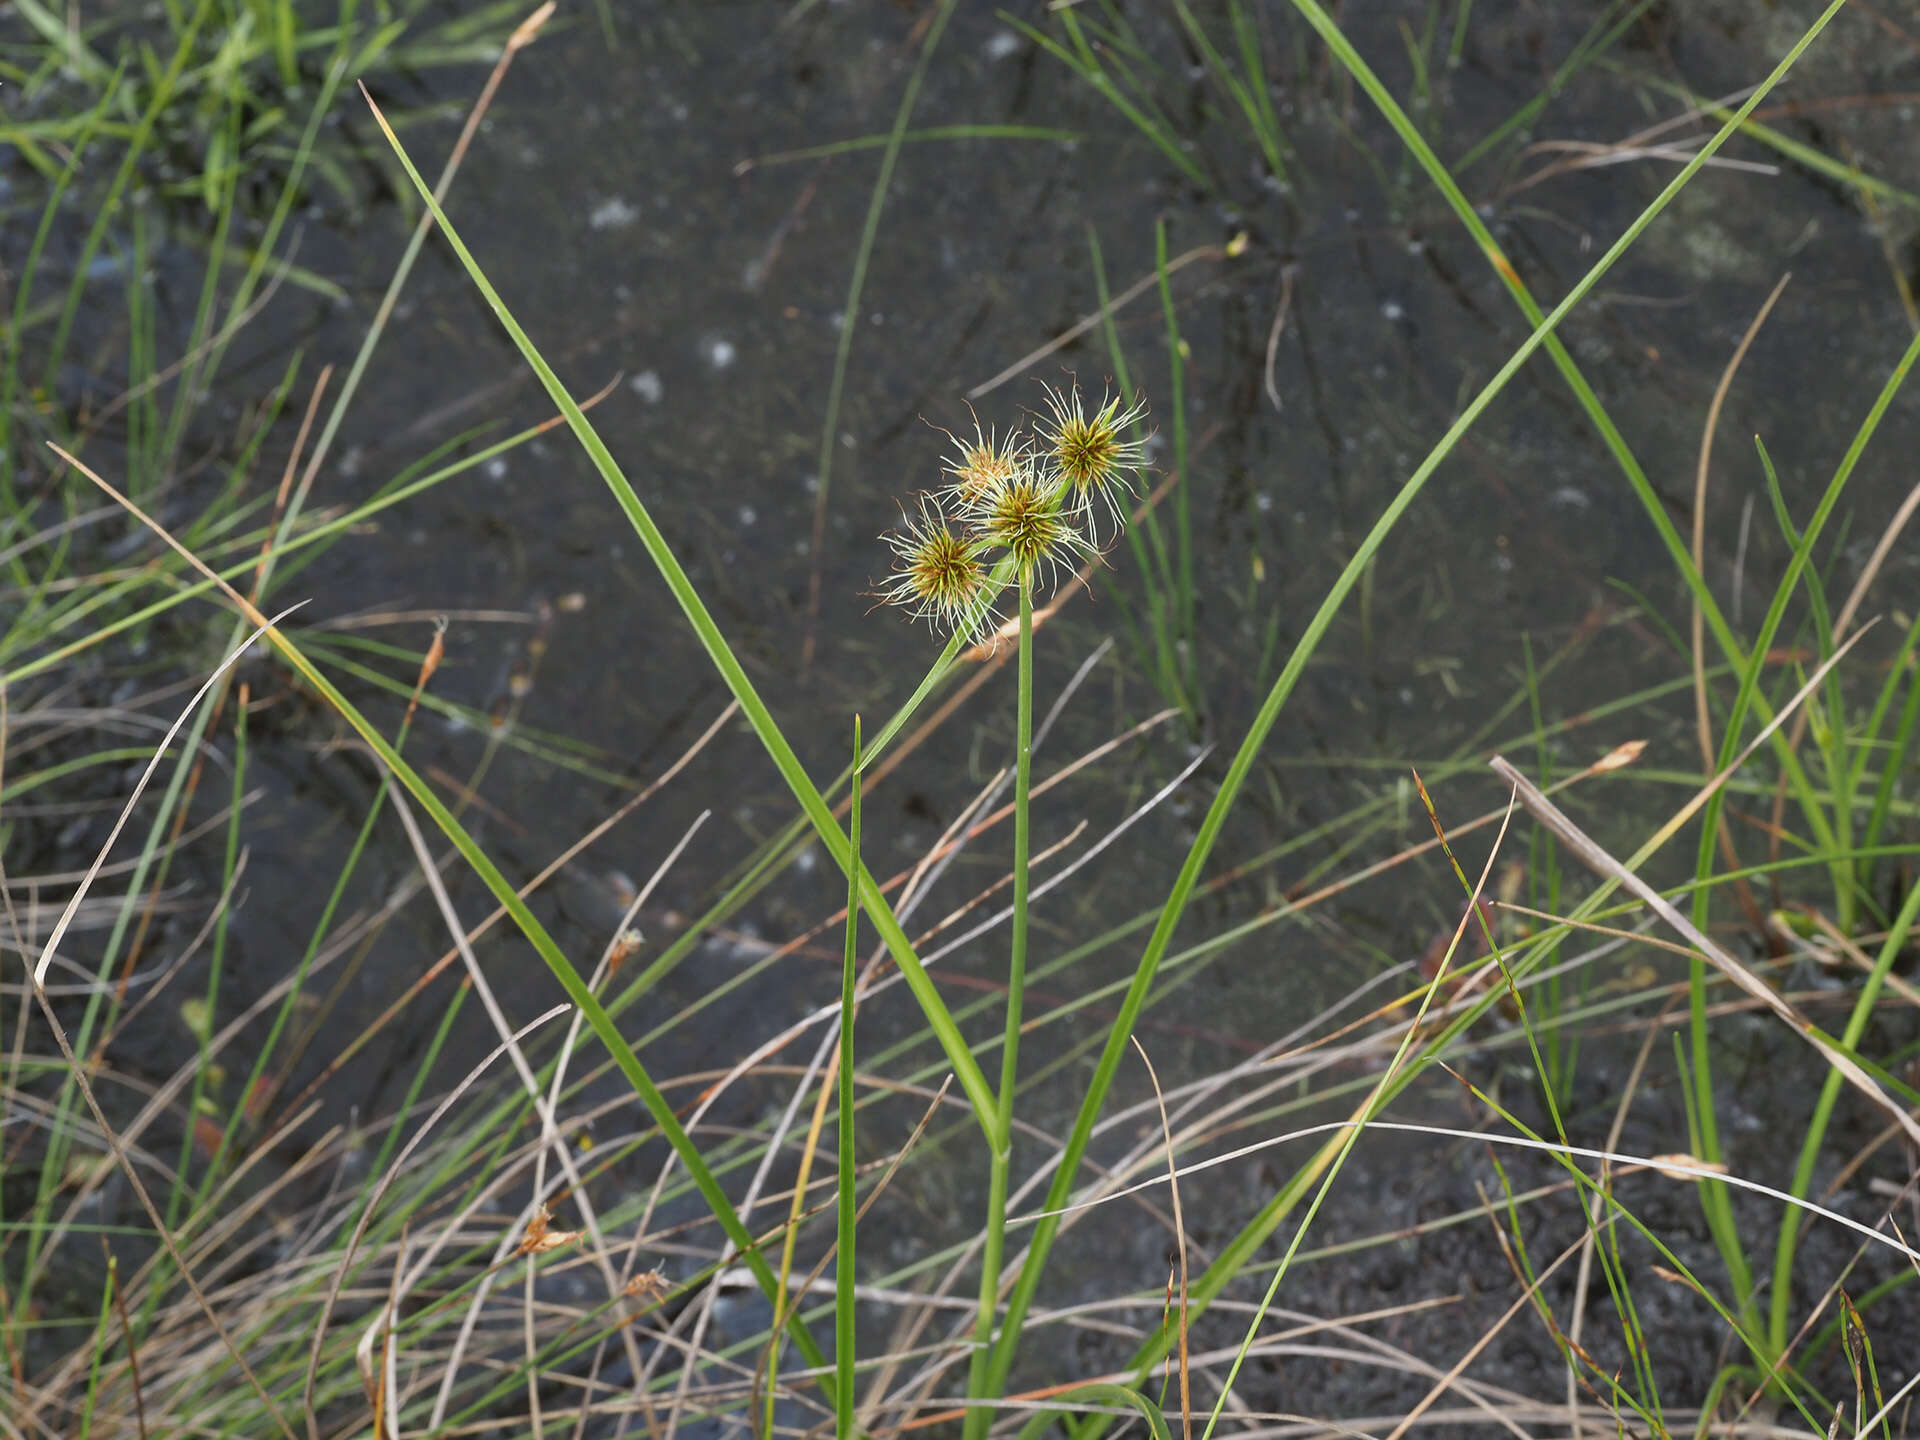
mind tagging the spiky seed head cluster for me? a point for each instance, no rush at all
(940, 571)
(1028, 515)
(1094, 455)
(1033, 500)
(984, 462)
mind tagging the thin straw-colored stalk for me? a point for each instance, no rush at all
(1309, 641)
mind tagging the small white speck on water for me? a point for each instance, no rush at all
(496, 468)
(1574, 496)
(613, 214)
(1393, 310)
(810, 484)
(718, 352)
(1263, 502)
(648, 387)
(1001, 44)
(876, 319)
(806, 861)
(748, 515)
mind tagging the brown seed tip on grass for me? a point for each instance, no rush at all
(539, 1239)
(1682, 1166)
(528, 28)
(1619, 757)
(649, 1285)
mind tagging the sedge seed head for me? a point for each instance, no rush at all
(940, 573)
(1028, 515)
(982, 462)
(1093, 455)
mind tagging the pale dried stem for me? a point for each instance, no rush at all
(1702, 718)
(1596, 858)
(380, 1189)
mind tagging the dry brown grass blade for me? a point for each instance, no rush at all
(285, 493)
(1703, 720)
(160, 1229)
(805, 1287)
(1636, 145)
(1087, 322)
(263, 625)
(379, 1193)
(1596, 858)
(498, 913)
(1473, 1351)
(1287, 272)
(1179, 1239)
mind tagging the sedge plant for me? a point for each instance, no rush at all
(964, 545)
(984, 1102)
(1023, 505)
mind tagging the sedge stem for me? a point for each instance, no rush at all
(1002, 1136)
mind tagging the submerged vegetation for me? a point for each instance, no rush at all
(591, 1219)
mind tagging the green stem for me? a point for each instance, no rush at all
(779, 749)
(844, 1351)
(1787, 1246)
(978, 1382)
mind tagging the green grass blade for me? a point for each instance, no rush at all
(835, 148)
(967, 1070)
(845, 1346)
(562, 968)
(1316, 629)
(1100, 1393)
